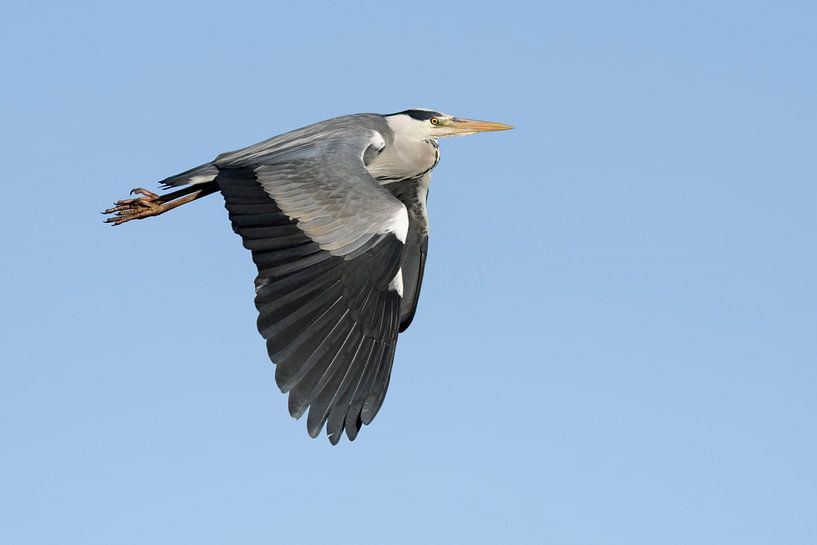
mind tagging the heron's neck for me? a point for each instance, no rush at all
(404, 158)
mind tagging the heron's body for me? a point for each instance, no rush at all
(391, 156)
(335, 216)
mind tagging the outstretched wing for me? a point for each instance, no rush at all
(328, 242)
(413, 194)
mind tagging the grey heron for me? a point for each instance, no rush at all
(335, 217)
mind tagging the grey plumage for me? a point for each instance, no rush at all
(413, 193)
(335, 217)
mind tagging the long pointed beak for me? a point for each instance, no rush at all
(470, 126)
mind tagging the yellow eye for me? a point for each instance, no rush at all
(435, 121)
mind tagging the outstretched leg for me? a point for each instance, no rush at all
(151, 204)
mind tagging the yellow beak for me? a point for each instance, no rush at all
(457, 126)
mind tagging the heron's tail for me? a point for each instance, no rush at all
(199, 175)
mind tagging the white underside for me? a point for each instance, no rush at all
(201, 179)
(396, 283)
(398, 224)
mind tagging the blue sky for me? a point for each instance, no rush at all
(617, 338)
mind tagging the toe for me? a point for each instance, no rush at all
(142, 191)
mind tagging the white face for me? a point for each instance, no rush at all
(419, 129)
(423, 124)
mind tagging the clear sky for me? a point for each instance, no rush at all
(617, 338)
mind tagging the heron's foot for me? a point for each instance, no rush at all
(150, 204)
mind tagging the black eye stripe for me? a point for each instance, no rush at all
(421, 115)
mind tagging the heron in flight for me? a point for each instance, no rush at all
(335, 217)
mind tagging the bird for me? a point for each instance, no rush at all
(335, 217)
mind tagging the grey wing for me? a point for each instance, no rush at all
(328, 242)
(413, 194)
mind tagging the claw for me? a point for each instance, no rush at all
(118, 208)
(142, 191)
(115, 220)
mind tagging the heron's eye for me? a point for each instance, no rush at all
(435, 121)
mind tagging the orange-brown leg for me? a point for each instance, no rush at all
(151, 204)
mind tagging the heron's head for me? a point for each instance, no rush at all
(426, 124)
